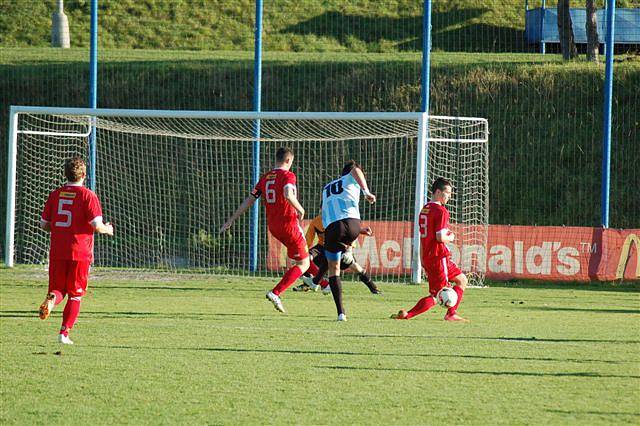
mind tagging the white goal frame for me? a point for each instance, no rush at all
(421, 161)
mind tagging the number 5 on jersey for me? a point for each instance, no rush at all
(66, 213)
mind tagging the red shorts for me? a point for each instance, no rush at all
(69, 276)
(292, 236)
(439, 273)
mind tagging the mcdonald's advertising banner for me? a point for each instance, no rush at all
(553, 253)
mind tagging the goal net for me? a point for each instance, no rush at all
(168, 180)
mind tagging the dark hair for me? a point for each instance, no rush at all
(350, 165)
(74, 169)
(440, 184)
(283, 153)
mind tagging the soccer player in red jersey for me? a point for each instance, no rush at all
(284, 213)
(435, 256)
(71, 214)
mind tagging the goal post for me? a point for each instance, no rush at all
(169, 179)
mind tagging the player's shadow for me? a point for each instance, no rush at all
(19, 314)
(503, 339)
(490, 373)
(27, 284)
(34, 314)
(179, 316)
(161, 287)
(625, 286)
(377, 354)
(603, 310)
(595, 413)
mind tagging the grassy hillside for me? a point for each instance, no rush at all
(289, 25)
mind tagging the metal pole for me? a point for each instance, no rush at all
(257, 106)
(93, 90)
(421, 170)
(543, 45)
(604, 45)
(423, 139)
(9, 246)
(426, 55)
(608, 98)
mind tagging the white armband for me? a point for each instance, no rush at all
(443, 232)
(366, 192)
(97, 221)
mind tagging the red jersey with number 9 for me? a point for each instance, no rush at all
(433, 218)
(271, 189)
(70, 210)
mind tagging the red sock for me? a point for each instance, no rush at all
(313, 269)
(324, 283)
(459, 291)
(70, 314)
(423, 305)
(59, 296)
(289, 278)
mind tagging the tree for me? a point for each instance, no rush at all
(565, 30)
(592, 32)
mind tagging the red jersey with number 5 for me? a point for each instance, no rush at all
(70, 211)
(271, 189)
(434, 217)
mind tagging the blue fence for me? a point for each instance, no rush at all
(627, 24)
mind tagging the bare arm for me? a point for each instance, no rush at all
(248, 202)
(290, 196)
(445, 237)
(45, 225)
(362, 181)
(102, 228)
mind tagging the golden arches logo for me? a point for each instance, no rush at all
(624, 255)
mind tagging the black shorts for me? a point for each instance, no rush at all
(340, 234)
(317, 252)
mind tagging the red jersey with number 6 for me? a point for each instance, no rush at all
(271, 187)
(70, 211)
(434, 217)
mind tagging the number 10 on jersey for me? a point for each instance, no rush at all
(334, 188)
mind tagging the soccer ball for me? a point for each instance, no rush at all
(447, 297)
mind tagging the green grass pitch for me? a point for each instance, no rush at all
(211, 350)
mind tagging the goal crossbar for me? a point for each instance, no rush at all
(242, 115)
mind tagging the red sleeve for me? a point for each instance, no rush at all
(438, 220)
(257, 190)
(93, 207)
(46, 212)
(289, 179)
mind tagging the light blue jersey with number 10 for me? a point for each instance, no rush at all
(340, 200)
